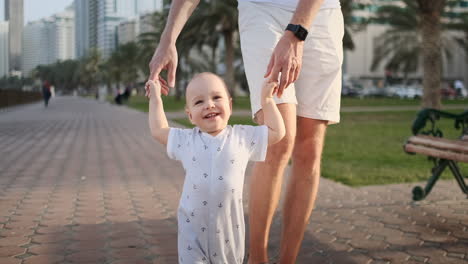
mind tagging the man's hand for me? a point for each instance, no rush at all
(287, 60)
(164, 58)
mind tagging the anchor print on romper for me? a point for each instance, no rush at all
(220, 178)
(194, 159)
(220, 205)
(252, 144)
(219, 149)
(195, 187)
(188, 220)
(232, 190)
(192, 214)
(215, 255)
(189, 247)
(205, 203)
(232, 161)
(205, 175)
(203, 229)
(179, 145)
(206, 147)
(227, 241)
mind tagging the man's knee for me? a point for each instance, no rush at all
(281, 152)
(309, 143)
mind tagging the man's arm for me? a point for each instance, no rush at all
(165, 56)
(272, 116)
(287, 55)
(157, 118)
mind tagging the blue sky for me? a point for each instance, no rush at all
(37, 9)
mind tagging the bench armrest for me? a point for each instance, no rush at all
(420, 125)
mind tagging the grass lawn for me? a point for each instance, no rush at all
(367, 149)
(140, 102)
(242, 102)
(348, 101)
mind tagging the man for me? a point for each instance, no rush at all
(270, 51)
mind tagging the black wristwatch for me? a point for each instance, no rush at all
(299, 31)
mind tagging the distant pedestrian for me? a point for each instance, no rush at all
(460, 89)
(46, 93)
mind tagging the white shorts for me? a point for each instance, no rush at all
(317, 91)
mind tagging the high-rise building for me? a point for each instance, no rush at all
(14, 14)
(97, 22)
(4, 51)
(49, 40)
(127, 31)
(112, 12)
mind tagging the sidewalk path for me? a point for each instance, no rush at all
(83, 182)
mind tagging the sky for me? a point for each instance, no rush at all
(37, 9)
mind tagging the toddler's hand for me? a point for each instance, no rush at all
(153, 89)
(164, 89)
(269, 89)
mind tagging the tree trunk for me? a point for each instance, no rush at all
(229, 61)
(431, 51)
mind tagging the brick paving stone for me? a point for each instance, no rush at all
(10, 260)
(83, 182)
(9, 251)
(93, 256)
(44, 259)
(50, 248)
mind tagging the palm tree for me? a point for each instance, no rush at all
(349, 24)
(90, 70)
(415, 33)
(211, 22)
(430, 12)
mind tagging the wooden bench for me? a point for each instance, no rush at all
(429, 140)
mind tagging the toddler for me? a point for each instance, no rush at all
(214, 156)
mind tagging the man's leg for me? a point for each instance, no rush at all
(265, 186)
(302, 186)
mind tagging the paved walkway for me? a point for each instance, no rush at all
(83, 182)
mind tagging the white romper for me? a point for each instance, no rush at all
(211, 225)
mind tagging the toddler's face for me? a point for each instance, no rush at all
(208, 104)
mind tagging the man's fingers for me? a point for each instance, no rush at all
(270, 67)
(284, 81)
(165, 90)
(293, 74)
(162, 81)
(154, 73)
(171, 74)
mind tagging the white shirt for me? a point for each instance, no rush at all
(292, 4)
(210, 214)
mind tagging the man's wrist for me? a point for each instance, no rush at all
(168, 39)
(289, 35)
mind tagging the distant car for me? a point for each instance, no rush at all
(406, 92)
(448, 93)
(349, 91)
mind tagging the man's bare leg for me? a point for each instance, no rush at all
(302, 186)
(265, 186)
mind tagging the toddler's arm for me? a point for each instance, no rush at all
(272, 116)
(157, 118)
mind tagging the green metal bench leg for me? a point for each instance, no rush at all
(457, 173)
(420, 193)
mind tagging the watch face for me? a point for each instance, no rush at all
(301, 33)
